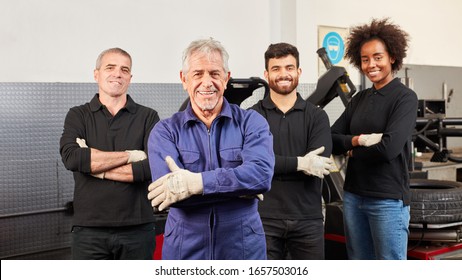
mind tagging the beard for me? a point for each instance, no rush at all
(283, 90)
(207, 104)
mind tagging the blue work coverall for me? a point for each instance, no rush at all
(235, 157)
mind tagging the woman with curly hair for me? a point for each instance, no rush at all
(375, 132)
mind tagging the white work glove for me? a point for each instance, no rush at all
(175, 186)
(369, 139)
(313, 164)
(136, 155)
(83, 144)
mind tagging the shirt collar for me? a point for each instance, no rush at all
(190, 116)
(96, 105)
(269, 104)
(388, 88)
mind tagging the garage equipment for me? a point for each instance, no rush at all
(334, 82)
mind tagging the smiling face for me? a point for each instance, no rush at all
(205, 82)
(114, 75)
(282, 74)
(376, 63)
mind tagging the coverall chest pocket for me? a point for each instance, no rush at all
(190, 160)
(230, 157)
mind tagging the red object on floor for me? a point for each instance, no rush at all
(158, 251)
(423, 252)
(335, 237)
(433, 252)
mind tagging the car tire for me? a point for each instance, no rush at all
(435, 201)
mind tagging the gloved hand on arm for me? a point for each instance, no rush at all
(83, 144)
(175, 186)
(369, 139)
(313, 164)
(136, 155)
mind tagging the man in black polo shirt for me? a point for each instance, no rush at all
(291, 211)
(104, 143)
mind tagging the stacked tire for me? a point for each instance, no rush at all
(436, 201)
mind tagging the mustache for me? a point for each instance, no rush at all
(284, 79)
(211, 88)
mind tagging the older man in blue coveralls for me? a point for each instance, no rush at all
(211, 161)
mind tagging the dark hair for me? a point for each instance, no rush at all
(281, 50)
(391, 35)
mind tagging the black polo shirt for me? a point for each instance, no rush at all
(108, 203)
(303, 128)
(380, 170)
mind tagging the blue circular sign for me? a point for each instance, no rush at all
(335, 48)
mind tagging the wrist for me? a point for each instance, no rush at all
(300, 164)
(128, 156)
(198, 184)
(355, 141)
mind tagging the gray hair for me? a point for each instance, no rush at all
(112, 50)
(206, 46)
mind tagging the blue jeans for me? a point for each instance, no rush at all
(375, 228)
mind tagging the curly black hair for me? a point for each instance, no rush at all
(394, 38)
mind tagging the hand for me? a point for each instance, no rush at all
(313, 164)
(175, 186)
(83, 144)
(136, 155)
(99, 175)
(369, 139)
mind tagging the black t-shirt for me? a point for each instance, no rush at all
(108, 203)
(303, 128)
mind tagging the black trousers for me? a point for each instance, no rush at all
(114, 243)
(294, 239)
